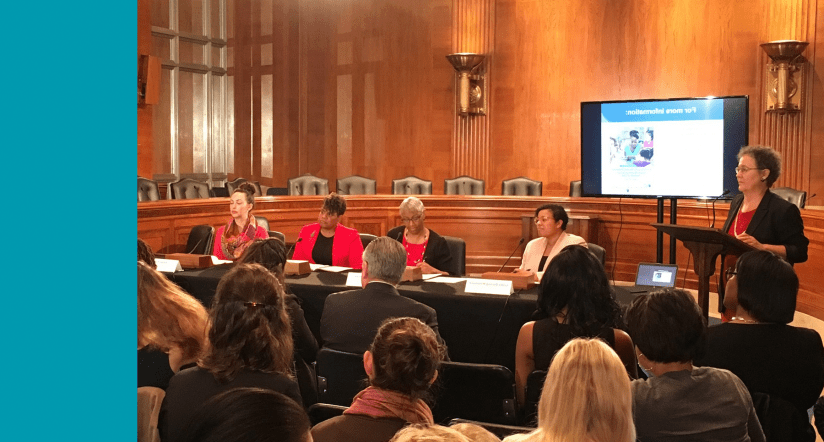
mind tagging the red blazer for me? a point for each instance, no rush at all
(347, 249)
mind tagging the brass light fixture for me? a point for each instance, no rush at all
(784, 75)
(471, 91)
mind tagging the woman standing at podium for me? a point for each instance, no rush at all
(233, 238)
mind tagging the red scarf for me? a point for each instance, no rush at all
(233, 246)
(377, 403)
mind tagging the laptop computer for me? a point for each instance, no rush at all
(652, 276)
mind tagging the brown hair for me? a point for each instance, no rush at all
(249, 190)
(765, 158)
(145, 254)
(334, 204)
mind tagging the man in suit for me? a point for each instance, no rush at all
(351, 319)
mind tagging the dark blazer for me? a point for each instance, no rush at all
(437, 251)
(351, 319)
(776, 222)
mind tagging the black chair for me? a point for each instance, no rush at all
(278, 235)
(411, 185)
(534, 386)
(522, 186)
(340, 376)
(262, 221)
(366, 238)
(499, 430)
(480, 392)
(307, 184)
(200, 240)
(457, 248)
(797, 197)
(320, 412)
(231, 186)
(357, 185)
(147, 190)
(277, 191)
(781, 420)
(218, 192)
(463, 185)
(188, 188)
(575, 188)
(599, 252)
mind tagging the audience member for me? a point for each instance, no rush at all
(551, 220)
(171, 328)
(475, 433)
(430, 433)
(145, 254)
(327, 241)
(250, 346)
(401, 364)
(759, 347)
(681, 402)
(271, 253)
(233, 238)
(424, 248)
(574, 300)
(249, 415)
(586, 397)
(351, 319)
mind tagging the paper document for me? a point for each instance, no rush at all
(216, 260)
(447, 279)
(336, 269)
(353, 280)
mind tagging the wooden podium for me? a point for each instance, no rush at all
(706, 244)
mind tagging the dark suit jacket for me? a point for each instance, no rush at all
(350, 320)
(437, 250)
(777, 222)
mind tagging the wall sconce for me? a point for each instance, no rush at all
(784, 76)
(471, 91)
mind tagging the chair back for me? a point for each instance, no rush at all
(308, 184)
(340, 376)
(598, 251)
(457, 248)
(262, 221)
(522, 186)
(278, 235)
(480, 392)
(200, 240)
(366, 238)
(463, 185)
(499, 430)
(188, 188)
(148, 410)
(277, 191)
(797, 197)
(231, 186)
(218, 192)
(781, 420)
(319, 412)
(147, 190)
(534, 386)
(575, 188)
(411, 185)
(356, 185)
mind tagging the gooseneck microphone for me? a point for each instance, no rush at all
(288, 253)
(726, 192)
(511, 254)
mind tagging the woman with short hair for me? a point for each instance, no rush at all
(424, 247)
(552, 221)
(327, 241)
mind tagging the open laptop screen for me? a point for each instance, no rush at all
(657, 275)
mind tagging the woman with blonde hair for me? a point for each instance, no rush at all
(586, 397)
(171, 328)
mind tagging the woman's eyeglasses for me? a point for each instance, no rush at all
(744, 169)
(415, 218)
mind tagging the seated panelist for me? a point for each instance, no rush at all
(424, 248)
(233, 238)
(551, 220)
(327, 241)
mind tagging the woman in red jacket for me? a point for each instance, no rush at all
(328, 242)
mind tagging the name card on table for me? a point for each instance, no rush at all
(168, 265)
(489, 287)
(353, 279)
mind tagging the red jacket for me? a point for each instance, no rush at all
(347, 249)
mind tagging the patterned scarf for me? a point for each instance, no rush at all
(378, 403)
(233, 246)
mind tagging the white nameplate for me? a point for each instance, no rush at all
(216, 260)
(168, 265)
(353, 279)
(489, 286)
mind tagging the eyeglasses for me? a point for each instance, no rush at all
(731, 272)
(415, 218)
(544, 220)
(745, 169)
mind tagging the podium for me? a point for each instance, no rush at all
(706, 244)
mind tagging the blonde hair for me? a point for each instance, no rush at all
(586, 396)
(167, 316)
(428, 433)
(475, 433)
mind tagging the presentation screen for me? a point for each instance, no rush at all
(671, 148)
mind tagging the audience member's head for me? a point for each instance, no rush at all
(586, 395)
(667, 326)
(250, 327)
(576, 287)
(247, 415)
(269, 252)
(384, 259)
(404, 357)
(475, 433)
(766, 286)
(167, 316)
(145, 254)
(429, 433)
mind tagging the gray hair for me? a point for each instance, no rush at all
(411, 204)
(386, 259)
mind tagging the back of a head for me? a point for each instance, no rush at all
(767, 286)
(667, 326)
(249, 324)
(386, 259)
(405, 356)
(586, 395)
(145, 254)
(429, 433)
(475, 433)
(269, 252)
(248, 415)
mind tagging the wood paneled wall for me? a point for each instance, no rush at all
(340, 87)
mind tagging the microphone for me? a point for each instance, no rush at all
(293, 246)
(726, 191)
(513, 252)
(400, 234)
